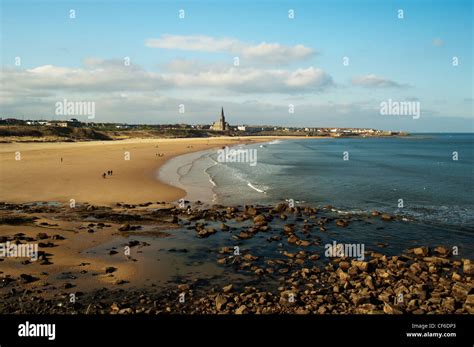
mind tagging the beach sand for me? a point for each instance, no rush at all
(40, 175)
(140, 258)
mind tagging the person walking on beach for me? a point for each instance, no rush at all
(104, 175)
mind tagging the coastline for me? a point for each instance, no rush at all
(158, 250)
(40, 175)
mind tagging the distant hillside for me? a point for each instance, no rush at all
(32, 133)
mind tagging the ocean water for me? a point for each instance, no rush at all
(415, 176)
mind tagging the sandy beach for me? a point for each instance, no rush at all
(40, 175)
(127, 248)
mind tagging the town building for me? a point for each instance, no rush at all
(221, 124)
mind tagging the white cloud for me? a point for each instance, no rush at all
(100, 76)
(374, 81)
(262, 52)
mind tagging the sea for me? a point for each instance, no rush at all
(426, 178)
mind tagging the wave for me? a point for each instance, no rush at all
(255, 188)
(275, 142)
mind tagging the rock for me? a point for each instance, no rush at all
(343, 276)
(242, 309)
(344, 265)
(125, 311)
(25, 278)
(469, 304)
(221, 300)
(390, 309)
(289, 255)
(227, 289)
(224, 227)
(289, 229)
(448, 304)
(367, 309)
(436, 260)
(386, 217)
(442, 251)
(112, 252)
(245, 235)
(369, 283)
(250, 257)
(358, 298)
(361, 265)
(133, 243)
(68, 285)
(124, 227)
(467, 267)
(203, 233)
(293, 239)
(375, 213)
(304, 243)
(460, 290)
(110, 269)
(469, 300)
(456, 276)
(251, 211)
(342, 223)
(302, 310)
(211, 231)
(41, 236)
(45, 244)
(226, 250)
(259, 219)
(45, 261)
(280, 207)
(183, 287)
(422, 251)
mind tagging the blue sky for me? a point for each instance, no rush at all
(282, 61)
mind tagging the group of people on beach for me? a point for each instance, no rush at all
(109, 173)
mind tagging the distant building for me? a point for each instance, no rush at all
(220, 124)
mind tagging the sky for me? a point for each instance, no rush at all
(331, 64)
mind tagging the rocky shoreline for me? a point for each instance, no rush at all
(276, 252)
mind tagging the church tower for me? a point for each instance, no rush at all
(223, 125)
(220, 124)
